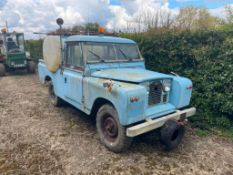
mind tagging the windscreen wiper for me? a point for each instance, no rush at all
(123, 53)
(101, 59)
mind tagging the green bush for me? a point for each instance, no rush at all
(34, 47)
(204, 57)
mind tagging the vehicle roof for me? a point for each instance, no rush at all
(99, 38)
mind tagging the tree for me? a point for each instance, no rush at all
(205, 20)
(186, 18)
(193, 18)
(78, 28)
(229, 14)
(150, 19)
(166, 19)
(92, 27)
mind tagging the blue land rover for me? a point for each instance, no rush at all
(105, 77)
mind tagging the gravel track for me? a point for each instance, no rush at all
(37, 138)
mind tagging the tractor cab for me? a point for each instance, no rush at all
(11, 43)
(15, 42)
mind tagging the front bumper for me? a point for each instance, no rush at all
(151, 124)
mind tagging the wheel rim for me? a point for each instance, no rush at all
(109, 128)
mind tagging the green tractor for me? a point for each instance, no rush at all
(12, 53)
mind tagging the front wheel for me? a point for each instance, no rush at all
(2, 70)
(54, 99)
(112, 133)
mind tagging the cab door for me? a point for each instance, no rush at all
(73, 73)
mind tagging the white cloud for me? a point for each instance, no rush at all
(128, 15)
(218, 12)
(39, 15)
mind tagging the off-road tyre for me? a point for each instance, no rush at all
(112, 133)
(2, 70)
(31, 67)
(171, 134)
(53, 98)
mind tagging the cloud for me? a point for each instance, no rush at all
(218, 12)
(128, 15)
(40, 15)
(13, 18)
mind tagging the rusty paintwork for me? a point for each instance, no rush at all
(130, 75)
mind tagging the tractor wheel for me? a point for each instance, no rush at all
(171, 134)
(31, 67)
(112, 133)
(2, 70)
(54, 99)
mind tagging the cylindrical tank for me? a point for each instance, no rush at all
(52, 52)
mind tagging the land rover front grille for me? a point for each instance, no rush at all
(157, 95)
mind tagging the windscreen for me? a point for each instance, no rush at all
(107, 52)
(15, 43)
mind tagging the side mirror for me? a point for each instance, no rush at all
(60, 22)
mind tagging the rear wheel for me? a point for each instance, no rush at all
(2, 70)
(31, 67)
(112, 133)
(54, 99)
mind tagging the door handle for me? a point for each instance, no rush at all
(65, 80)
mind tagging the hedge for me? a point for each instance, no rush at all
(34, 47)
(206, 58)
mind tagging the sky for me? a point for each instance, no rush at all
(30, 16)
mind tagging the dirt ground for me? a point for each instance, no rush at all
(37, 138)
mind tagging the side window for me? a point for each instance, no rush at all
(74, 55)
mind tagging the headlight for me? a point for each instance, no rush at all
(167, 85)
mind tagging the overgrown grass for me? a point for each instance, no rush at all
(202, 133)
(226, 133)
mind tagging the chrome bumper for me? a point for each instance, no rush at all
(151, 124)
